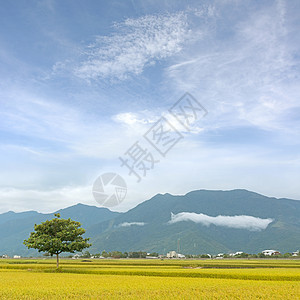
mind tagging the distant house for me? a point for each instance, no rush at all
(5, 256)
(76, 256)
(173, 254)
(151, 257)
(271, 252)
(17, 256)
(296, 253)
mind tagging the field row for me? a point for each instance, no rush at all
(31, 285)
(207, 263)
(190, 269)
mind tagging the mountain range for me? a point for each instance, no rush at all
(201, 221)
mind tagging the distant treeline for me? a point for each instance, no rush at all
(142, 254)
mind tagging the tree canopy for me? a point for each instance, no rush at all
(56, 236)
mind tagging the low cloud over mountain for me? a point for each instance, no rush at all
(127, 224)
(215, 221)
(243, 222)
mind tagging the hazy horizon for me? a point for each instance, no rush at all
(116, 208)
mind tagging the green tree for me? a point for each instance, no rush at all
(57, 236)
(116, 254)
(139, 254)
(86, 254)
(105, 254)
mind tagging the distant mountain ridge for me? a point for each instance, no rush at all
(157, 235)
(197, 229)
(19, 225)
(10, 215)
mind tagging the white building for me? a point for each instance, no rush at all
(236, 253)
(173, 254)
(17, 256)
(270, 252)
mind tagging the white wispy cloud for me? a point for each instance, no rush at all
(135, 44)
(240, 63)
(62, 126)
(128, 224)
(241, 222)
(45, 201)
(132, 118)
(252, 77)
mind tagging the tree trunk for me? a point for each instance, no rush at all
(57, 261)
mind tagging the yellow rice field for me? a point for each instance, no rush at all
(144, 279)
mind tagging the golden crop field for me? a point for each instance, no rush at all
(150, 279)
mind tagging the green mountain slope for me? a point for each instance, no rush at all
(157, 235)
(17, 226)
(146, 227)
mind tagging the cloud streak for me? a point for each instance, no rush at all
(51, 125)
(45, 201)
(128, 224)
(136, 43)
(252, 77)
(239, 222)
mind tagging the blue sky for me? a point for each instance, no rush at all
(82, 81)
